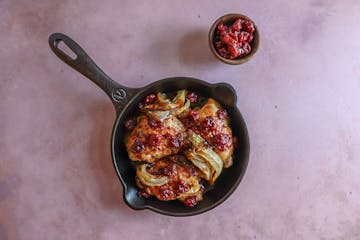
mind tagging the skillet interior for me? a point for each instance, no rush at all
(224, 185)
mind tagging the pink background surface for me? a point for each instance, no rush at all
(299, 96)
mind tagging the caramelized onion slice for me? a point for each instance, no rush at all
(163, 100)
(158, 115)
(163, 103)
(195, 139)
(200, 164)
(185, 107)
(194, 190)
(200, 154)
(213, 160)
(149, 179)
(164, 108)
(180, 97)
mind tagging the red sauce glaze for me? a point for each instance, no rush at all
(155, 124)
(166, 195)
(176, 141)
(221, 114)
(194, 116)
(179, 172)
(154, 139)
(192, 97)
(142, 193)
(169, 170)
(210, 122)
(149, 99)
(190, 201)
(182, 187)
(130, 124)
(208, 125)
(138, 145)
(232, 41)
(221, 141)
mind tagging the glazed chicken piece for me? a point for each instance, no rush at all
(211, 122)
(170, 178)
(215, 129)
(151, 139)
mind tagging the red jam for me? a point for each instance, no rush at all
(138, 145)
(183, 187)
(175, 142)
(222, 138)
(169, 170)
(233, 41)
(167, 135)
(221, 114)
(208, 125)
(190, 201)
(149, 99)
(192, 97)
(143, 194)
(130, 124)
(154, 140)
(194, 116)
(166, 194)
(155, 124)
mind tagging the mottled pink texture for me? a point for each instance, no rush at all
(300, 97)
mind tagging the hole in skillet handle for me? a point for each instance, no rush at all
(65, 49)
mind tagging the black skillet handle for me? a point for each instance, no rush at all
(118, 94)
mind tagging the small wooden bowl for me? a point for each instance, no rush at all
(229, 19)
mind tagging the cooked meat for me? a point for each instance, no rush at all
(212, 124)
(170, 178)
(215, 129)
(151, 140)
(203, 157)
(180, 144)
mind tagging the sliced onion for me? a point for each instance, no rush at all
(158, 115)
(163, 100)
(213, 160)
(180, 97)
(163, 103)
(196, 140)
(194, 190)
(164, 108)
(162, 115)
(200, 155)
(228, 162)
(200, 164)
(183, 108)
(149, 179)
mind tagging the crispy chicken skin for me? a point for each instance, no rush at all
(221, 127)
(183, 180)
(151, 140)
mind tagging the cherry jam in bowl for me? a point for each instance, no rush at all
(234, 38)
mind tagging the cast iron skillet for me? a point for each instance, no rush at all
(126, 101)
